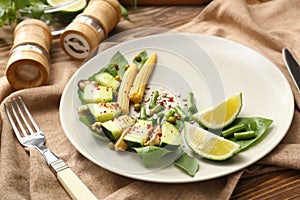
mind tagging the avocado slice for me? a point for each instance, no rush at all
(105, 79)
(139, 133)
(104, 111)
(114, 127)
(171, 137)
(93, 93)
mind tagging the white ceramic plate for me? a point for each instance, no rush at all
(213, 68)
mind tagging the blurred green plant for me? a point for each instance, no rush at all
(134, 4)
(14, 11)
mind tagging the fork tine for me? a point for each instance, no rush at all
(21, 113)
(37, 128)
(12, 122)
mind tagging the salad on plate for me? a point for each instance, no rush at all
(120, 106)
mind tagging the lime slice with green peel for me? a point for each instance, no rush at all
(209, 145)
(66, 10)
(221, 115)
(68, 5)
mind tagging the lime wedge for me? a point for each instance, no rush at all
(66, 10)
(221, 115)
(209, 145)
(69, 5)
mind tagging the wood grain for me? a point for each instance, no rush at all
(283, 184)
(168, 17)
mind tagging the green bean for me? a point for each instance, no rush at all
(160, 116)
(179, 124)
(191, 103)
(244, 135)
(153, 99)
(156, 109)
(143, 114)
(157, 119)
(168, 114)
(229, 132)
(182, 114)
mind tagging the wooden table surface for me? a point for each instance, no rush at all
(283, 184)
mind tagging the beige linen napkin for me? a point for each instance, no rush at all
(266, 26)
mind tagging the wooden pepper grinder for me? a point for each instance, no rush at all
(29, 61)
(90, 28)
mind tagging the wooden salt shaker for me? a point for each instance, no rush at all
(90, 28)
(29, 61)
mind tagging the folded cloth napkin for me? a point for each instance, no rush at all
(266, 26)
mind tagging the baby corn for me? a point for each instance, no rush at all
(123, 94)
(140, 82)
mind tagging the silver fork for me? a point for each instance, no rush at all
(30, 135)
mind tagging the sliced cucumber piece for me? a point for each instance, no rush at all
(139, 133)
(105, 79)
(114, 128)
(171, 137)
(93, 93)
(104, 111)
